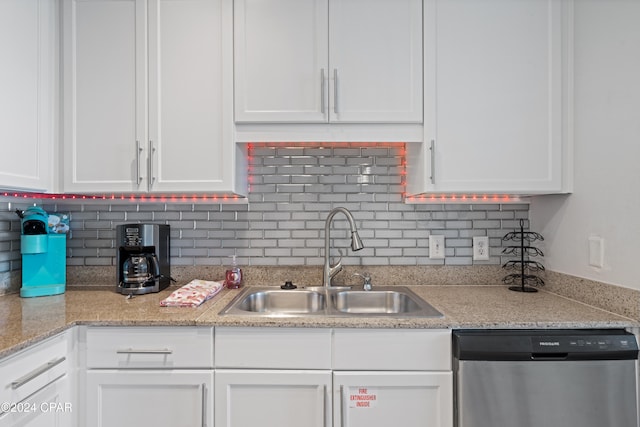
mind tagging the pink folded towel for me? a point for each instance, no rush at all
(192, 294)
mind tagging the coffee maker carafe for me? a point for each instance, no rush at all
(143, 258)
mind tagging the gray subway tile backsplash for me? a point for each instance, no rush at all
(292, 190)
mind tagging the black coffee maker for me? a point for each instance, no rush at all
(143, 259)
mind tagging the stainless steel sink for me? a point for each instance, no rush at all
(281, 301)
(375, 302)
(270, 301)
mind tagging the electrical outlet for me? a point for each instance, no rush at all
(481, 248)
(436, 247)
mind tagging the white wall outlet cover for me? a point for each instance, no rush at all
(436, 247)
(481, 248)
(596, 251)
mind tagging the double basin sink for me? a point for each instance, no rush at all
(271, 301)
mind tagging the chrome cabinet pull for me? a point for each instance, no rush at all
(204, 405)
(323, 82)
(335, 90)
(36, 372)
(138, 152)
(324, 405)
(433, 161)
(151, 351)
(152, 178)
(343, 407)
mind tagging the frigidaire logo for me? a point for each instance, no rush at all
(550, 343)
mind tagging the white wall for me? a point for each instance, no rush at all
(606, 197)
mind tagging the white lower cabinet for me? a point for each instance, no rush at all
(273, 377)
(293, 377)
(156, 398)
(36, 385)
(392, 377)
(273, 398)
(48, 407)
(264, 377)
(148, 376)
(377, 399)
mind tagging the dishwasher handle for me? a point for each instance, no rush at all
(549, 356)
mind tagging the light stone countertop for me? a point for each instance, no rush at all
(24, 321)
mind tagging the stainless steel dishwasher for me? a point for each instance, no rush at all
(545, 378)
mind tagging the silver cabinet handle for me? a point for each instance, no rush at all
(335, 90)
(343, 407)
(151, 351)
(323, 82)
(324, 405)
(152, 151)
(138, 152)
(36, 372)
(433, 161)
(204, 405)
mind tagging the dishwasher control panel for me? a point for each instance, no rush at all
(547, 344)
(583, 343)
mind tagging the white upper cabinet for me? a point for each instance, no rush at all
(104, 95)
(375, 61)
(147, 96)
(496, 97)
(190, 96)
(28, 89)
(280, 60)
(319, 61)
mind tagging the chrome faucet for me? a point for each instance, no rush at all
(356, 244)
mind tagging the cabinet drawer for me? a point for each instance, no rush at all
(150, 347)
(273, 348)
(28, 371)
(392, 349)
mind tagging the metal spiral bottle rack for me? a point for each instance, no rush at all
(523, 280)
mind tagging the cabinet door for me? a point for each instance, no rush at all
(190, 72)
(105, 95)
(281, 60)
(49, 407)
(375, 59)
(381, 399)
(39, 384)
(168, 398)
(27, 84)
(250, 398)
(493, 95)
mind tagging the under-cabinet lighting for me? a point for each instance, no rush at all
(135, 198)
(234, 198)
(462, 198)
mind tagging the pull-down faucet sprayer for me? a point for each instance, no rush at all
(356, 244)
